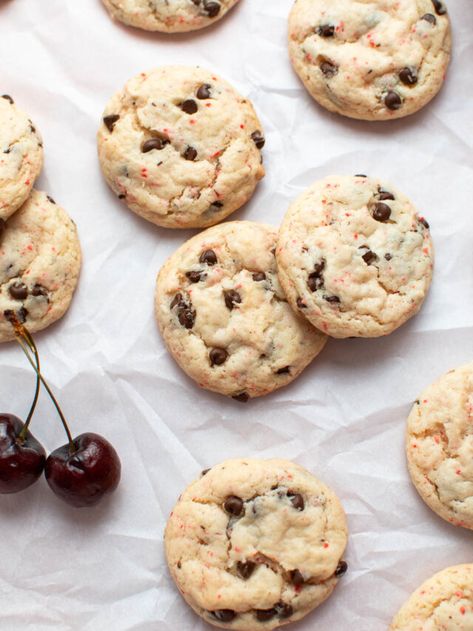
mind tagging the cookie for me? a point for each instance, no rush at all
(39, 265)
(21, 157)
(375, 60)
(354, 257)
(444, 602)
(256, 544)
(224, 316)
(439, 446)
(169, 16)
(181, 147)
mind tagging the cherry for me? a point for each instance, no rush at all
(22, 457)
(83, 471)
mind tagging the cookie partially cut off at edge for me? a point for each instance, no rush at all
(377, 60)
(181, 147)
(21, 157)
(40, 261)
(256, 544)
(444, 602)
(354, 257)
(439, 445)
(169, 16)
(225, 318)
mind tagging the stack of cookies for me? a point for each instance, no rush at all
(39, 247)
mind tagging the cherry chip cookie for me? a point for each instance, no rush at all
(21, 157)
(442, 603)
(256, 544)
(354, 257)
(181, 147)
(375, 60)
(439, 445)
(224, 316)
(169, 16)
(39, 265)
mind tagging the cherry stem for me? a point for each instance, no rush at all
(22, 434)
(25, 340)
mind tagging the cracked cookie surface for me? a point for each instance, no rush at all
(439, 445)
(256, 544)
(444, 602)
(21, 157)
(181, 147)
(374, 60)
(224, 316)
(39, 265)
(354, 257)
(169, 16)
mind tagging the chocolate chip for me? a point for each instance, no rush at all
(428, 17)
(32, 128)
(388, 256)
(3, 225)
(121, 196)
(232, 298)
(342, 568)
(9, 315)
(190, 153)
(212, 8)
(381, 212)
(50, 199)
(8, 98)
(408, 76)
(328, 68)
(215, 207)
(234, 505)
(204, 472)
(204, 91)
(284, 371)
(189, 106)
(259, 276)
(218, 356)
(243, 397)
(384, 195)
(195, 277)
(360, 175)
(263, 615)
(300, 303)
(157, 142)
(439, 7)
(296, 500)
(245, 570)
(18, 291)
(258, 139)
(284, 610)
(22, 313)
(177, 300)
(424, 222)
(39, 290)
(369, 257)
(110, 121)
(392, 100)
(316, 279)
(326, 30)
(208, 257)
(332, 299)
(224, 615)
(297, 578)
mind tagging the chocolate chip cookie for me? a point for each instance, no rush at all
(224, 315)
(21, 157)
(169, 16)
(439, 446)
(256, 544)
(181, 147)
(354, 257)
(39, 265)
(445, 601)
(374, 60)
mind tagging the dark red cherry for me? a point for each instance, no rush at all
(84, 474)
(21, 460)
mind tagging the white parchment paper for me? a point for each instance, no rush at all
(344, 419)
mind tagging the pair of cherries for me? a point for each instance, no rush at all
(80, 472)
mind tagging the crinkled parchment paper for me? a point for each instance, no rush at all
(344, 419)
